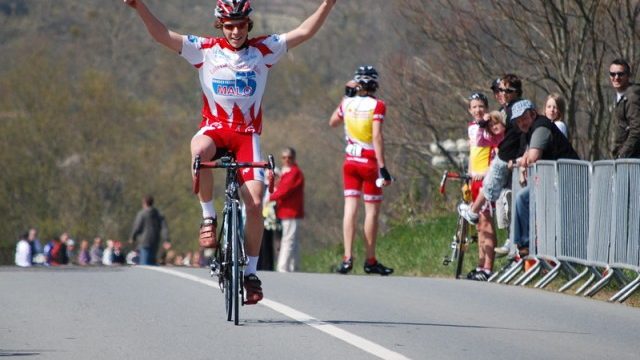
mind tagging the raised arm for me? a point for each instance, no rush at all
(156, 28)
(309, 27)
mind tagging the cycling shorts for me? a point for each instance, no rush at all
(245, 146)
(359, 175)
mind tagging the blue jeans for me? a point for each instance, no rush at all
(521, 229)
(496, 179)
(147, 256)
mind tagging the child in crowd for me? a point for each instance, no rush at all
(554, 110)
(486, 131)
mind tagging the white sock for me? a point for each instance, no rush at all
(208, 210)
(252, 266)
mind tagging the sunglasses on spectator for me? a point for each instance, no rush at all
(239, 25)
(618, 74)
(508, 90)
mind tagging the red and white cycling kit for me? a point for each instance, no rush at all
(360, 169)
(233, 83)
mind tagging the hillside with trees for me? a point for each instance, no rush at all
(94, 114)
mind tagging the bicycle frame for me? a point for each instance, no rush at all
(230, 259)
(461, 240)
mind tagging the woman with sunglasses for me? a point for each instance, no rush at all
(233, 73)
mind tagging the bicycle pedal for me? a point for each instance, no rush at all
(446, 261)
(214, 268)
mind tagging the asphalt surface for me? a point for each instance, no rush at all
(178, 313)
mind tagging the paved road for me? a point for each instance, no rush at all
(177, 313)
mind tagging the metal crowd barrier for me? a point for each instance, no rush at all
(586, 214)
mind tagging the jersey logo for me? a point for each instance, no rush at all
(244, 85)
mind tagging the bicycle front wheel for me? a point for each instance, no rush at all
(461, 244)
(236, 281)
(226, 262)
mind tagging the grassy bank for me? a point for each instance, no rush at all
(418, 250)
(412, 250)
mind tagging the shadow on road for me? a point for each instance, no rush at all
(393, 324)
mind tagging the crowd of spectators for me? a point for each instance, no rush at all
(63, 250)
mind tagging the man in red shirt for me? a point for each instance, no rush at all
(289, 198)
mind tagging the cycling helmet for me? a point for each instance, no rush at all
(367, 77)
(233, 9)
(479, 96)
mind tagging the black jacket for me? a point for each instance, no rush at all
(559, 147)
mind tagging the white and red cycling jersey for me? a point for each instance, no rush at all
(233, 80)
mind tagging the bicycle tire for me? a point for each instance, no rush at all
(226, 262)
(461, 243)
(235, 264)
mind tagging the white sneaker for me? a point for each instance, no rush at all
(504, 249)
(464, 210)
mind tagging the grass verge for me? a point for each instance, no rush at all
(418, 250)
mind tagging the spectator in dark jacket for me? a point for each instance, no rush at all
(58, 253)
(289, 198)
(626, 113)
(148, 228)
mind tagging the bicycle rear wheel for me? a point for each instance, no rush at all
(461, 244)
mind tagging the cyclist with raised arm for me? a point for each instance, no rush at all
(233, 73)
(362, 115)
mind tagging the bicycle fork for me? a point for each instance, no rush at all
(454, 252)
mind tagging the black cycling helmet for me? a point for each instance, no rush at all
(479, 96)
(232, 9)
(367, 77)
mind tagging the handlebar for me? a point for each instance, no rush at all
(452, 175)
(228, 162)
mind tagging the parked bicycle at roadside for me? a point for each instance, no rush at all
(229, 259)
(461, 238)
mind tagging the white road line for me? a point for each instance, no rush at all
(355, 340)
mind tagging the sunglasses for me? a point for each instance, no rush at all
(239, 25)
(618, 74)
(507, 91)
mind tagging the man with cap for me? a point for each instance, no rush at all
(544, 142)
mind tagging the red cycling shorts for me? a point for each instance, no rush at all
(476, 186)
(245, 146)
(360, 174)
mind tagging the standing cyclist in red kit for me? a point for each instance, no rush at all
(233, 73)
(362, 115)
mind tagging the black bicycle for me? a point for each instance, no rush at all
(229, 259)
(461, 238)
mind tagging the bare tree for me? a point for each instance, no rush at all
(562, 46)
